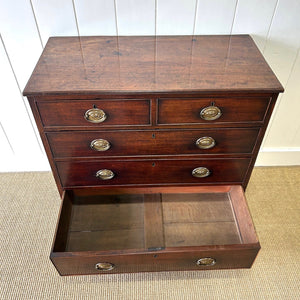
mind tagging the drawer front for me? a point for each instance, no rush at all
(231, 110)
(162, 142)
(109, 113)
(152, 172)
(116, 231)
(226, 258)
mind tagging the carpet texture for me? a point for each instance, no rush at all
(28, 213)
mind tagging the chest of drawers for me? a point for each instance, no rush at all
(152, 141)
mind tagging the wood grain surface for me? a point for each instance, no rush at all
(156, 172)
(234, 110)
(91, 65)
(118, 112)
(152, 142)
(153, 232)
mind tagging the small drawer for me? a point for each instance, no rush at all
(151, 172)
(158, 229)
(94, 113)
(160, 142)
(212, 110)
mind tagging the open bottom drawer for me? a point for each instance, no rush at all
(156, 229)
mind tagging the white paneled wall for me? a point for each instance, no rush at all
(215, 17)
(175, 16)
(54, 18)
(25, 26)
(135, 17)
(255, 17)
(96, 17)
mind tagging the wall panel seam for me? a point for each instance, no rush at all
(20, 91)
(234, 15)
(116, 17)
(155, 19)
(36, 24)
(195, 16)
(7, 139)
(293, 67)
(279, 100)
(75, 16)
(270, 26)
(280, 97)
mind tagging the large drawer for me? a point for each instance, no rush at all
(231, 110)
(100, 113)
(161, 229)
(162, 142)
(151, 172)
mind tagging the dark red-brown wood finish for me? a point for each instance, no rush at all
(155, 172)
(96, 65)
(126, 230)
(233, 141)
(159, 108)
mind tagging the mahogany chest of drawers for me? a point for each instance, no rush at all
(152, 141)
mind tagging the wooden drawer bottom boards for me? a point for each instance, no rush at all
(154, 229)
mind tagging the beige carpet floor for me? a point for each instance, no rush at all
(29, 205)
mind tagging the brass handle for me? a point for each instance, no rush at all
(100, 145)
(206, 261)
(105, 174)
(200, 172)
(105, 266)
(210, 113)
(95, 115)
(205, 142)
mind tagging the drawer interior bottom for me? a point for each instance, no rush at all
(149, 221)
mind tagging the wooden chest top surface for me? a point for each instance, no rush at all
(149, 64)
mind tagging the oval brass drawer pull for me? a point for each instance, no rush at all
(105, 174)
(105, 266)
(210, 113)
(200, 172)
(95, 115)
(205, 142)
(100, 145)
(206, 261)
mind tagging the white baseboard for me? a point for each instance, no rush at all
(288, 156)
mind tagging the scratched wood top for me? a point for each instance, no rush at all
(148, 64)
